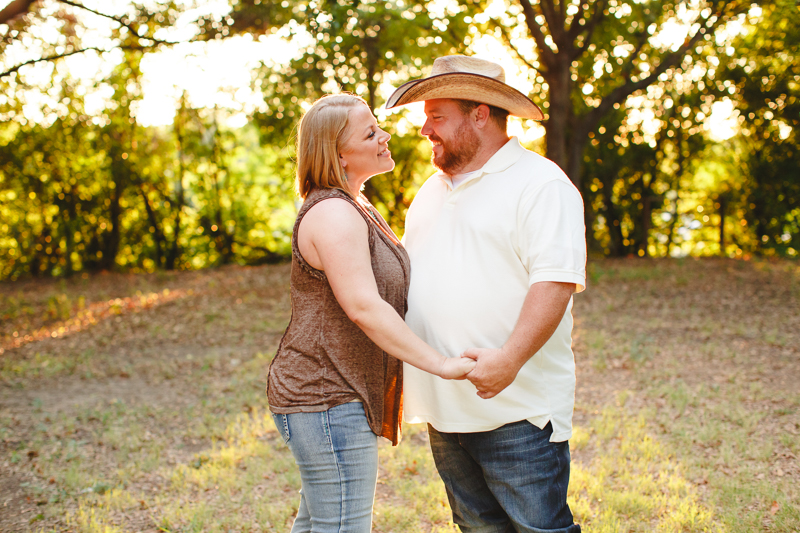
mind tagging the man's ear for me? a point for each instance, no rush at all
(482, 114)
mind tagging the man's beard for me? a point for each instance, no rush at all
(458, 151)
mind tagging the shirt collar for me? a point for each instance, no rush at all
(506, 156)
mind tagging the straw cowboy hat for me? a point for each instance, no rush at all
(467, 78)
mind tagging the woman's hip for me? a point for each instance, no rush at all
(337, 454)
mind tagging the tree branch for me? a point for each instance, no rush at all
(119, 20)
(49, 58)
(576, 28)
(507, 40)
(73, 52)
(550, 17)
(628, 66)
(562, 13)
(546, 54)
(17, 7)
(619, 94)
(20, 6)
(589, 27)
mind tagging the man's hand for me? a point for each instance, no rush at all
(493, 372)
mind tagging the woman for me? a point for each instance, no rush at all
(333, 387)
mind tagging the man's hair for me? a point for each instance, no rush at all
(321, 135)
(499, 116)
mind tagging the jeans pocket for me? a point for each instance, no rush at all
(282, 425)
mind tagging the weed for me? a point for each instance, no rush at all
(641, 348)
(59, 307)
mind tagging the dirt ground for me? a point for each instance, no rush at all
(642, 327)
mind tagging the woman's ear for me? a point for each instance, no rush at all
(342, 160)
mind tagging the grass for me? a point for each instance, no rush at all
(633, 483)
(153, 418)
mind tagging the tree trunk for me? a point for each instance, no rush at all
(112, 237)
(559, 116)
(69, 237)
(723, 207)
(647, 217)
(158, 235)
(14, 9)
(174, 251)
(224, 240)
(681, 161)
(613, 223)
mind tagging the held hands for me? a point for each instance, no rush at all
(456, 367)
(493, 372)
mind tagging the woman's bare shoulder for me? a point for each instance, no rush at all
(334, 214)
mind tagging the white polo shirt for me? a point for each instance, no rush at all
(475, 251)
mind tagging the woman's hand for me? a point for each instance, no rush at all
(456, 367)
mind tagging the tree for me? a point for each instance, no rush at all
(633, 175)
(135, 31)
(764, 76)
(591, 55)
(354, 47)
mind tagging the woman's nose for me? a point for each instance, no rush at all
(386, 136)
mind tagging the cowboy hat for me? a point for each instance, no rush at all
(467, 78)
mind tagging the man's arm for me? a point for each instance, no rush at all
(541, 313)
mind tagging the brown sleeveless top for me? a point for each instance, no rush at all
(324, 359)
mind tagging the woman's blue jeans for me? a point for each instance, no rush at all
(337, 454)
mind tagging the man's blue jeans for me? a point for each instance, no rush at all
(508, 479)
(337, 454)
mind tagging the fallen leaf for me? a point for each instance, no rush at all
(775, 508)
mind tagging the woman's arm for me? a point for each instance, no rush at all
(334, 237)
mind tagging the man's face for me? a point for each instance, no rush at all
(453, 135)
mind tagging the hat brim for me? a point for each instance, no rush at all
(465, 86)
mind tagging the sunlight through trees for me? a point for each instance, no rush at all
(628, 88)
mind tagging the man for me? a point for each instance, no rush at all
(497, 246)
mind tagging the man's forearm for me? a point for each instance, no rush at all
(541, 314)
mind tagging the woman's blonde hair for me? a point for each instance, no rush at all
(321, 135)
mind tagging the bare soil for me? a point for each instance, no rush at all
(69, 346)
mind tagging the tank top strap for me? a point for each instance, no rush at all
(313, 198)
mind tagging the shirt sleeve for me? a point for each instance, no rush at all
(552, 234)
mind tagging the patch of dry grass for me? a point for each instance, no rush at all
(151, 415)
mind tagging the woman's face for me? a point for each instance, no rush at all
(366, 152)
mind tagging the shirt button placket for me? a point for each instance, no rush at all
(450, 201)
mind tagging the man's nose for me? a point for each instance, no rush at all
(426, 128)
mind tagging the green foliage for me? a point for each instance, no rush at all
(104, 193)
(765, 75)
(366, 48)
(640, 186)
(601, 67)
(85, 190)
